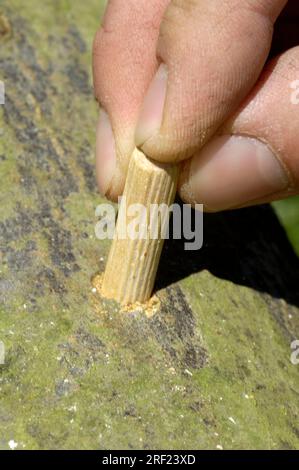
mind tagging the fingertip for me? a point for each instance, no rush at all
(151, 114)
(230, 172)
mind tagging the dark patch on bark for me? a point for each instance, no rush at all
(78, 78)
(22, 259)
(176, 323)
(60, 248)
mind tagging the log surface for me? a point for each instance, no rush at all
(211, 368)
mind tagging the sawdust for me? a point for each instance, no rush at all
(149, 308)
(97, 281)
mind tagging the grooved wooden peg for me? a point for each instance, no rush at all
(134, 256)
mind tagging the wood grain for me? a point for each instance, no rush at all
(132, 263)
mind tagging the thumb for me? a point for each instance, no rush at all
(211, 55)
(254, 159)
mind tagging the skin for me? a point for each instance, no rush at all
(224, 104)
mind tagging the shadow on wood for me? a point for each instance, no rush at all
(248, 247)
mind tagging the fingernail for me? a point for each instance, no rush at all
(105, 152)
(232, 171)
(151, 115)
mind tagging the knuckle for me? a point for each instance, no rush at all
(177, 12)
(100, 56)
(175, 20)
(96, 43)
(98, 47)
(266, 9)
(187, 6)
(96, 54)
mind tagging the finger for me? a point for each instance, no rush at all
(254, 159)
(124, 61)
(212, 54)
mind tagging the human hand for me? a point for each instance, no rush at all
(190, 81)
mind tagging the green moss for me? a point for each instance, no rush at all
(249, 366)
(288, 213)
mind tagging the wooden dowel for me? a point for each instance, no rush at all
(132, 263)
